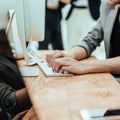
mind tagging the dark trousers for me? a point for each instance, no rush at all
(52, 30)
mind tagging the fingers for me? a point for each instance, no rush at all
(67, 64)
(58, 60)
(65, 69)
(51, 57)
(63, 65)
(58, 63)
(48, 58)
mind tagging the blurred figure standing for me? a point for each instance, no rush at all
(94, 8)
(80, 19)
(53, 25)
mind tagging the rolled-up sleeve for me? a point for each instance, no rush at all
(7, 96)
(92, 39)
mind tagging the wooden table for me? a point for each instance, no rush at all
(62, 98)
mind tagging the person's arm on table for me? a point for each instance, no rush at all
(22, 99)
(69, 62)
(111, 65)
(13, 101)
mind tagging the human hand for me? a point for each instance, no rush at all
(20, 115)
(52, 56)
(67, 64)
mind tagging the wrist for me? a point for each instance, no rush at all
(77, 53)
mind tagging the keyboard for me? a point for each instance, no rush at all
(27, 71)
(48, 70)
(44, 65)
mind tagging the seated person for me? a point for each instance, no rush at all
(107, 28)
(13, 94)
(53, 33)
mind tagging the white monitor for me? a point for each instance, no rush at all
(30, 17)
(28, 22)
(6, 21)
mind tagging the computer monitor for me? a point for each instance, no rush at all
(6, 22)
(30, 17)
(26, 20)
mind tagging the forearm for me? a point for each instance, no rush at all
(88, 43)
(77, 53)
(22, 99)
(108, 65)
(13, 101)
(7, 96)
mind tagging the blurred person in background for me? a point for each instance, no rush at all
(53, 34)
(80, 18)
